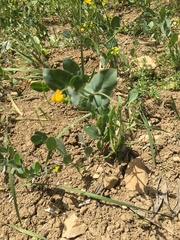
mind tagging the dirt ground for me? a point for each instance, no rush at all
(96, 220)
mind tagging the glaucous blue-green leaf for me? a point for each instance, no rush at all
(56, 78)
(71, 66)
(75, 98)
(102, 82)
(91, 130)
(78, 81)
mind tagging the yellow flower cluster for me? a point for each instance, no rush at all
(57, 96)
(85, 25)
(88, 1)
(114, 51)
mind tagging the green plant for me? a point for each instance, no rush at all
(155, 24)
(174, 50)
(92, 94)
(146, 82)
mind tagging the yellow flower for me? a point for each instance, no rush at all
(104, 2)
(91, 23)
(88, 1)
(114, 51)
(56, 169)
(57, 96)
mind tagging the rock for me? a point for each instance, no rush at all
(110, 181)
(96, 176)
(73, 227)
(136, 176)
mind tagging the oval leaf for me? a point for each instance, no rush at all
(133, 94)
(92, 131)
(67, 159)
(115, 22)
(39, 86)
(51, 143)
(56, 78)
(38, 138)
(60, 147)
(71, 66)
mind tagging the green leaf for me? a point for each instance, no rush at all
(13, 164)
(162, 13)
(67, 159)
(17, 159)
(91, 130)
(88, 151)
(133, 94)
(66, 33)
(38, 138)
(101, 198)
(61, 148)
(51, 143)
(3, 149)
(71, 66)
(11, 151)
(27, 232)
(102, 82)
(56, 78)
(39, 86)
(75, 97)
(36, 166)
(151, 24)
(1, 158)
(115, 22)
(13, 191)
(173, 39)
(78, 81)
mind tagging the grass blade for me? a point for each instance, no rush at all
(14, 194)
(151, 140)
(101, 198)
(22, 70)
(173, 104)
(27, 232)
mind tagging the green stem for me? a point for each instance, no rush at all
(81, 41)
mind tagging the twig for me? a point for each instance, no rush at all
(14, 105)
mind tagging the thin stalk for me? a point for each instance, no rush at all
(81, 40)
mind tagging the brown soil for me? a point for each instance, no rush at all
(103, 221)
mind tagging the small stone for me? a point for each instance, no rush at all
(110, 181)
(14, 94)
(96, 176)
(176, 159)
(73, 227)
